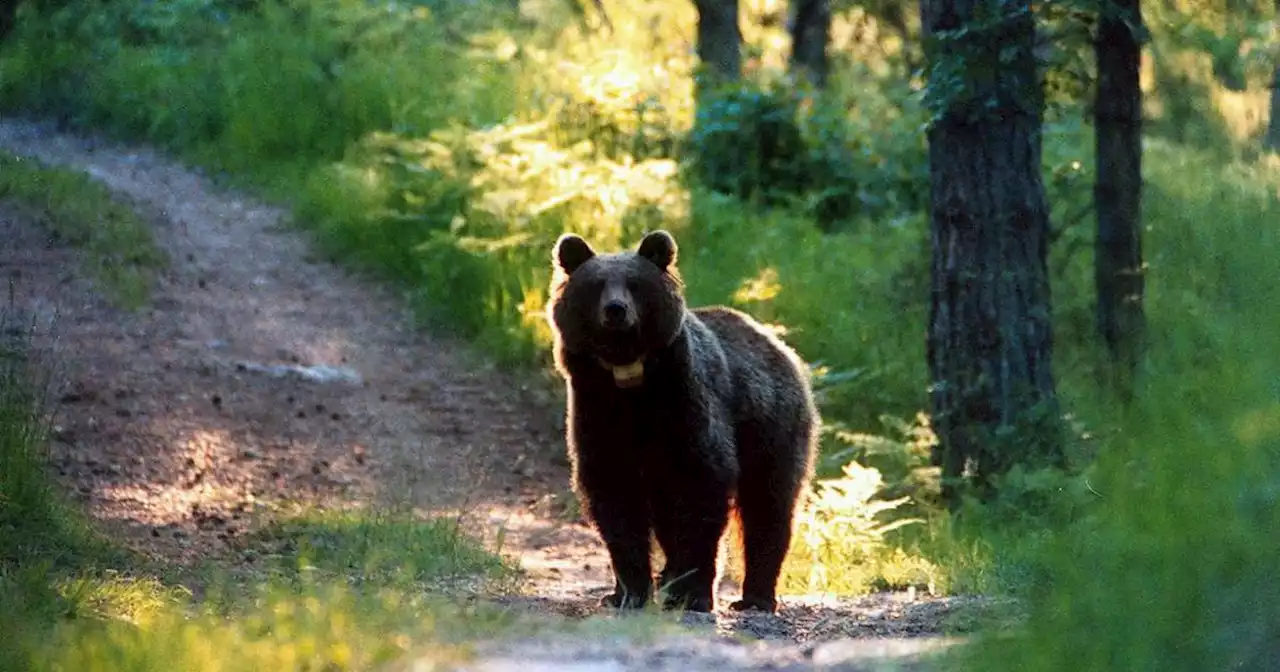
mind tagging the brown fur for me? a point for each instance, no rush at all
(720, 420)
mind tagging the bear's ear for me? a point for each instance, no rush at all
(660, 248)
(572, 252)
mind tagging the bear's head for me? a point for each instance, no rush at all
(616, 308)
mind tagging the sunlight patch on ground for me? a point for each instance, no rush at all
(157, 503)
(561, 558)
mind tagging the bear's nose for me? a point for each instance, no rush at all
(615, 315)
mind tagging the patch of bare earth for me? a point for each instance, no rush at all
(258, 374)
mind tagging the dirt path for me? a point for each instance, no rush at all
(174, 430)
(182, 418)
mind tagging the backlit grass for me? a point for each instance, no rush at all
(458, 143)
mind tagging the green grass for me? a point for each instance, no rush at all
(380, 547)
(39, 533)
(459, 144)
(1172, 567)
(118, 247)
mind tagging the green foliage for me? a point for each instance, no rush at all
(747, 142)
(1172, 565)
(840, 540)
(290, 81)
(779, 147)
(902, 455)
(117, 245)
(444, 147)
(40, 533)
(35, 523)
(324, 626)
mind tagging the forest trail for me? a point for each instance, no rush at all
(259, 374)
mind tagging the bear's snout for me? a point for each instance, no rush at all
(617, 311)
(615, 314)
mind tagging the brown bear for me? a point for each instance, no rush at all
(676, 418)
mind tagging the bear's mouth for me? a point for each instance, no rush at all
(626, 375)
(623, 355)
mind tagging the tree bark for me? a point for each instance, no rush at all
(720, 38)
(810, 33)
(8, 14)
(1118, 267)
(990, 340)
(1273, 128)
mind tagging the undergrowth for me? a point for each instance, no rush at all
(1170, 566)
(445, 148)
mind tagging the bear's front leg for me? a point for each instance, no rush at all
(624, 527)
(689, 523)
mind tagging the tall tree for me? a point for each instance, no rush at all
(8, 12)
(810, 28)
(720, 38)
(1118, 267)
(1273, 128)
(990, 343)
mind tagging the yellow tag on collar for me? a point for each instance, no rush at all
(629, 375)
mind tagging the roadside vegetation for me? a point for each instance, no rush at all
(443, 146)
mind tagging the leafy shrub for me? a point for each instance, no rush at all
(747, 142)
(468, 219)
(903, 455)
(781, 147)
(840, 541)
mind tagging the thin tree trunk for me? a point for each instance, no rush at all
(990, 341)
(8, 13)
(810, 33)
(1273, 129)
(720, 38)
(1118, 268)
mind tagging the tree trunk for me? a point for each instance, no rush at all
(720, 38)
(1118, 268)
(1273, 127)
(810, 33)
(8, 13)
(990, 341)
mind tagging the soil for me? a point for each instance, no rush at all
(260, 374)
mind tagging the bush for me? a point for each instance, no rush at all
(445, 146)
(784, 147)
(841, 545)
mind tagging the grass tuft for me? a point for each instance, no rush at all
(118, 246)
